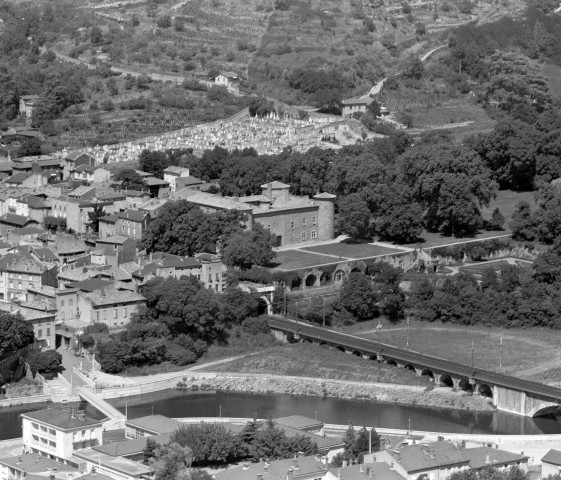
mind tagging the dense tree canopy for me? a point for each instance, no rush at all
(16, 333)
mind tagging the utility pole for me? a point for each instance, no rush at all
(407, 333)
(501, 353)
(370, 440)
(323, 311)
(472, 348)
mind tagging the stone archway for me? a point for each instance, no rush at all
(446, 380)
(485, 390)
(339, 276)
(311, 280)
(264, 307)
(325, 278)
(427, 373)
(465, 385)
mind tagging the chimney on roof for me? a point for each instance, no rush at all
(72, 414)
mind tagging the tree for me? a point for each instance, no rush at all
(172, 462)
(374, 108)
(29, 148)
(164, 21)
(450, 182)
(260, 106)
(153, 162)
(489, 279)
(244, 249)
(354, 216)
(54, 224)
(43, 362)
(400, 217)
(149, 450)
(16, 333)
(523, 224)
(96, 36)
(130, 179)
(210, 443)
(497, 220)
(86, 340)
(369, 25)
(184, 229)
(358, 297)
(94, 216)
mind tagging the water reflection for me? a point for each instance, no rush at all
(209, 404)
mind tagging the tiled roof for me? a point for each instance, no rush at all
(366, 471)
(15, 262)
(357, 101)
(190, 180)
(113, 239)
(306, 467)
(216, 201)
(480, 457)
(427, 456)
(109, 218)
(155, 423)
(153, 182)
(84, 168)
(34, 201)
(18, 178)
(133, 215)
(91, 284)
(298, 421)
(28, 314)
(131, 447)
(77, 274)
(81, 191)
(45, 254)
(33, 463)
(186, 262)
(28, 231)
(110, 296)
(229, 74)
(51, 162)
(67, 244)
(553, 457)
(18, 220)
(175, 169)
(40, 305)
(135, 193)
(44, 290)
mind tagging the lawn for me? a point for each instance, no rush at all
(531, 353)
(506, 202)
(321, 362)
(553, 75)
(294, 259)
(352, 250)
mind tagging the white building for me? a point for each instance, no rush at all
(171, 174)
(59, 434)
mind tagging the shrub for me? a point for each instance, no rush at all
(253, 326)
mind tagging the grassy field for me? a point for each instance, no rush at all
(352, 250)
(506, 202)
(320, 362)
(531, 353)
(293, 259)
(553, 75)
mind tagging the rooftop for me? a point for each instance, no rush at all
(130, 447)
(179, 170)
(114, 239)
(155, 182)
(111, 296)
(553, 457)
(427, 456)
(16, 220)
(276, 470)
(34, 463)
(60, 419)
(119, 464)
(155, 423)
(215, 201)
(91, 284)
(298, 422)
(367, 471)
(275, 185)
(480, 457)
(133, 215)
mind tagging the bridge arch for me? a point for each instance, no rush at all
(465, 385)
(325, 278)
(446, 380)
(427, 372)
(323, 344)
(542, 412)
(373, 357)
(311, 280)
(264, 306)
(391, 361)
(339, 276)
(341, 348)
(356, 270)
(307, 340)
(408, 366)
(485, 390)
(296, 283)
(356, 353)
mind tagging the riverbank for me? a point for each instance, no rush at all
(435, 397)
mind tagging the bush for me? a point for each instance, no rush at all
(44, 362)
(97, 328)
(253, 326)
(178, 355)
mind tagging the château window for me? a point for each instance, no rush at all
(314, 234)
(303, 236)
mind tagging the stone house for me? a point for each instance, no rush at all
(27, 104)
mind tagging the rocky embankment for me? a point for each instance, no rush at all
(438, 397)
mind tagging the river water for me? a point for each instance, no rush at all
(173, 403)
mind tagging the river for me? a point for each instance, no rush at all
(174, 403)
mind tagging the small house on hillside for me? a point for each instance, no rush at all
(27, 104)
(353, 105)
(226, 79)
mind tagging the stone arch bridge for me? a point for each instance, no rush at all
(509, 394)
